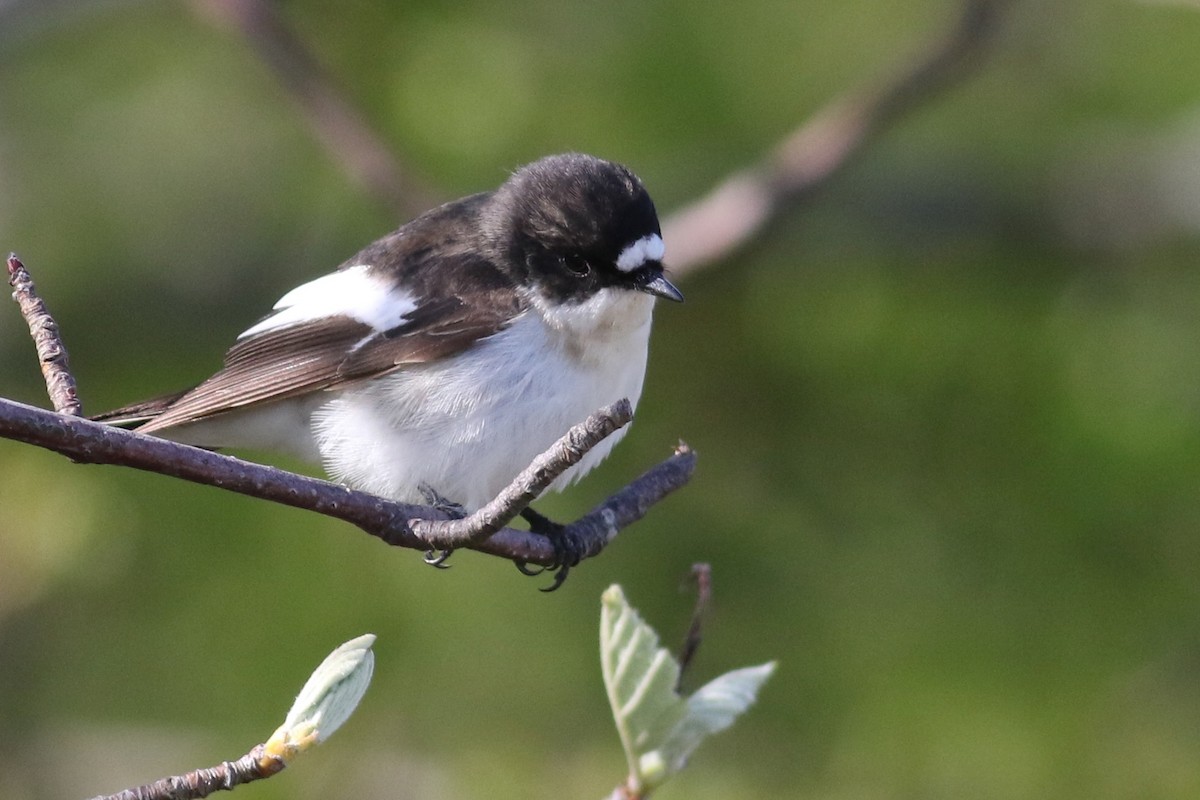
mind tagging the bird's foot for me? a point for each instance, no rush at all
(435, 499)
(437, 558)
(567, 550)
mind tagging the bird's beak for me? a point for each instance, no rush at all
(661, 287)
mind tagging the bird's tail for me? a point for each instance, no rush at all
(136, 414)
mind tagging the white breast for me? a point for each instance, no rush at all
(467, 426)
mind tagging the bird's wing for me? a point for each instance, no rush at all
(423, 293)
(327, 351)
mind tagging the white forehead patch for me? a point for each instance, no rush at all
(351, 292)
(647, 248)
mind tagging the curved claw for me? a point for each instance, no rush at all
(524, 568)
(437, 559)
(567, 550)
(560, 576)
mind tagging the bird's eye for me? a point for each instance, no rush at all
(576, 265)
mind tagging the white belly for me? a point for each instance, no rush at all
(467, 427)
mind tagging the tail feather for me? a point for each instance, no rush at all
(136, 414)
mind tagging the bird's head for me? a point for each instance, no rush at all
(572, 225)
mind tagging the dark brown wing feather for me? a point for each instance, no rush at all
(334, 351)
(463, 298)
(434, 331)
(139, 412)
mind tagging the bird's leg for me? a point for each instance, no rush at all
(567, 552)
(437, 558)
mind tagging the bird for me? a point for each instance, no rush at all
(440, 360)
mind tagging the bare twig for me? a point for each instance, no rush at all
(338, 125)
(44, 330)
(526, 487)
(702, 575)
(94, 443)
(255, 765)
(600, 526)
(738, 208)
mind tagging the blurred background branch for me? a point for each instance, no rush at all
(729, 216)
(702, 232)
(337, 123)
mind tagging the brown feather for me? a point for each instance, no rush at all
(139, 412)
(331, 352)
(463, 298)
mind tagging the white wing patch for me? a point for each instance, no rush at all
(350, 292)
(647, 248)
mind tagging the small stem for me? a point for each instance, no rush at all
(52, 355)
(702, 575)
(253, 766)
(338, 124)
(735, 212)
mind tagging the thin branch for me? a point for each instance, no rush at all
(600, 526)
(399, 524)
(702, 576)
(527, 486)
(44, 330)
(94, 443)
(341, 128)
(255, 765)
(737, 209)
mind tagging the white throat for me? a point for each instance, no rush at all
(613, 323)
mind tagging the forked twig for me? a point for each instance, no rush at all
(94, 443)
(399, 524)
(527, 486)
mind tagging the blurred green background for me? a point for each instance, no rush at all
(948, 412)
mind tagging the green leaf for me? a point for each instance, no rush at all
(328, 698)
(659, 729)
(712, 709)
